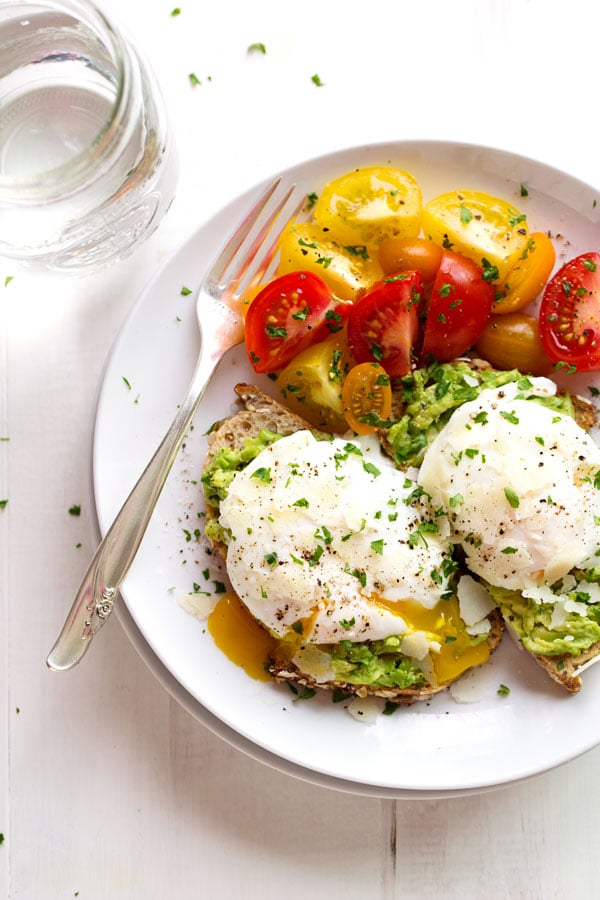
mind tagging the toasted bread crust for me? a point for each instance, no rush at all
(564, 669)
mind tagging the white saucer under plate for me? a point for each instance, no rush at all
(439, 748)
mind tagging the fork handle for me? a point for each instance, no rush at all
(98, 591)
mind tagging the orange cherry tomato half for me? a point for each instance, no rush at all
(513, 342)
(403, 254)
(366, 397)
(526, 279)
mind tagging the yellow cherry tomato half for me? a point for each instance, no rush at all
(526, 279)
(346, 270)
(370, 204)
(513, 341)
(488, 230)
(404, 254)
(366, 395)
(311, 383)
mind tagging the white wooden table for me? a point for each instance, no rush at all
(108, 787)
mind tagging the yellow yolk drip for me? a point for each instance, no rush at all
(443, 624)
(247, 644)
(240, 637)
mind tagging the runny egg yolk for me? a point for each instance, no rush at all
(443, 623)
(247, 644)
(240, 637)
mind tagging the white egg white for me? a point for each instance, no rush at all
(321, 532)
(518, 482)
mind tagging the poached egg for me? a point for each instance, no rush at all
(328, 540)
(520, 485)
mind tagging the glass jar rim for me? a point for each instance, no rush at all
(65, 177)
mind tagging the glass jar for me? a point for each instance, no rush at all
(87, 163)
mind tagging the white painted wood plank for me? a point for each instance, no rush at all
(523, 841)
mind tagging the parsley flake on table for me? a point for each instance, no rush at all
(193, 79)
(3, 504)
(185, 291)
(8, 280)
(503, 690)
(317, 80)
(176, 11)
(75, 510)
(257, 47)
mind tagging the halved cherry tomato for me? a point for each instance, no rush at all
(570, 314)
(384, 322)
(367, 205)
(290, 313)
(311, 383)
(403, 254)
(480, 226)
(366, 393)
(459, 307)
(526, 279)
(513, 342)
(346, 270)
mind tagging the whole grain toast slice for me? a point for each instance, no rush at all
(260, 411)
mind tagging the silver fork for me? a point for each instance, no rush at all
(221, 329)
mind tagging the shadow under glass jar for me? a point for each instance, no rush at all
(87, 164)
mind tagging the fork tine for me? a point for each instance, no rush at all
(223, 261)
(258, 244)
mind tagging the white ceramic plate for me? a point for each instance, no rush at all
(436, 748)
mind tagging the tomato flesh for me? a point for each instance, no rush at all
(311, 383)
(487, 229)
(370, 204)
(383, 324)
(289, 314)
(459, 307)
(345, 269)
(570, 314)
(366, 393)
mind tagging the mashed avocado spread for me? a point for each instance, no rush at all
(430, 396)
(537, 626)
(379, 663)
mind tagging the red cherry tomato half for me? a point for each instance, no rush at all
(383, 323)
(570, 314)
(287, 316)
(459, 307)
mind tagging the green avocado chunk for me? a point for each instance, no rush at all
(531, 621)
(430, 396)
(378, 663)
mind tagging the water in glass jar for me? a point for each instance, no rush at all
(82, 138)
